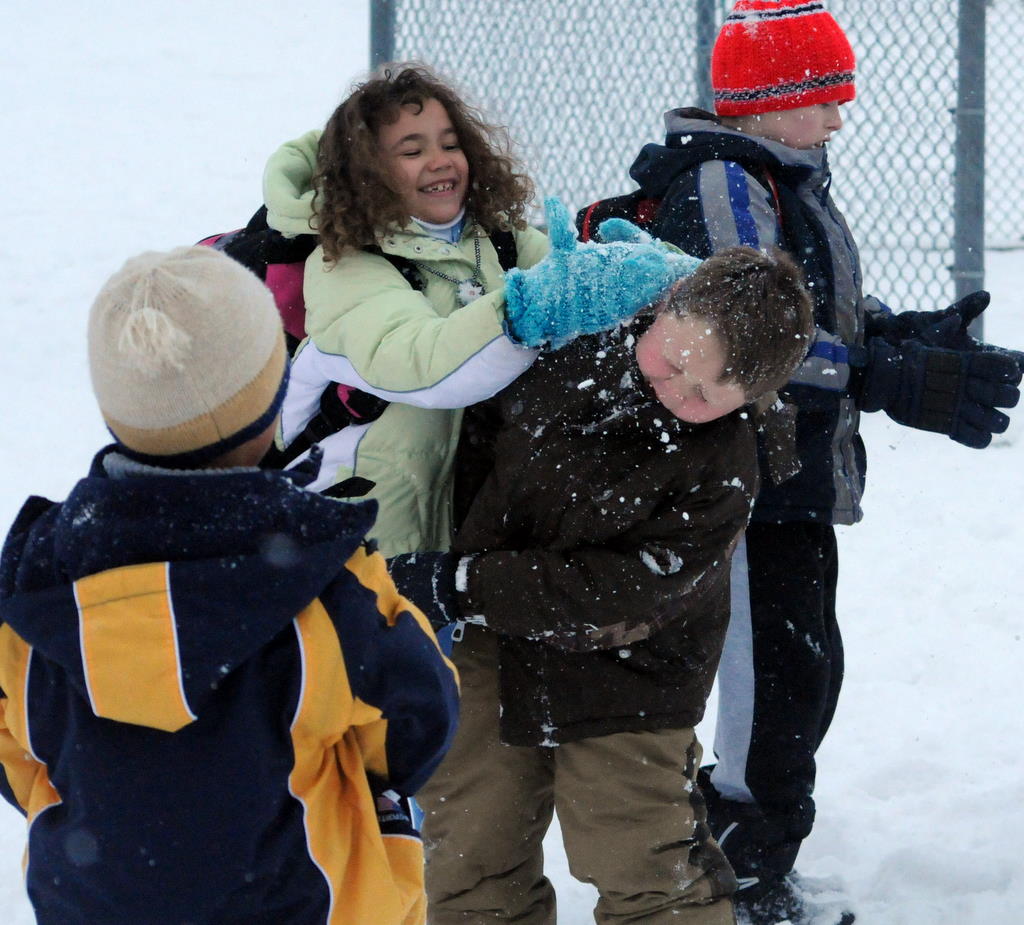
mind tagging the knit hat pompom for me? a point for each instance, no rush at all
(186, 355)
(150, 340)
(772, 55)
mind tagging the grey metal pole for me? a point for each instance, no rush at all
(969, 193)
(707, 29)
(382, 32)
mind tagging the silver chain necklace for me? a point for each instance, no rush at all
(466, 290)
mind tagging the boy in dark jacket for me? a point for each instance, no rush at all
(212, 699)
(592, 573)
(757, 174)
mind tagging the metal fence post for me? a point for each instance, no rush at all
(707, 29)
(556, 73)
(969, 176)
(382, 32)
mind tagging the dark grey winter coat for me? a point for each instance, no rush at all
(721, 187)
(605, 532)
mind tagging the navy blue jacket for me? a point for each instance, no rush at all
(210, 689)
(719, 188)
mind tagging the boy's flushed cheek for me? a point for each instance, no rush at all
(695, 409)
(645, 356)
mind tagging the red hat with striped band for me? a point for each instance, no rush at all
(780, 54)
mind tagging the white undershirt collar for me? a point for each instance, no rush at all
(450, 231)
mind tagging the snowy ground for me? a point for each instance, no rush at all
(135, 125)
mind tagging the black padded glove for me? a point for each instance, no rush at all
(952, 392)
(944, 328)
(428, 580)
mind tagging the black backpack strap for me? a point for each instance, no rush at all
(404, 265)
(354, 486)
(257, 245)
(504, 243)
(334, 415)
(258, 222)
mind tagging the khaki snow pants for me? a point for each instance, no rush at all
(632, 821)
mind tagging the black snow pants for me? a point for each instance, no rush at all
(779, 681)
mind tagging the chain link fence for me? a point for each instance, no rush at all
(583, 84)
(1004, 122)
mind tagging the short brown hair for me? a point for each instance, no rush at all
(758, 305)
(354, 201)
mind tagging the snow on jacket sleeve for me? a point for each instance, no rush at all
(666, 565)
(737, 209)
(591, 541)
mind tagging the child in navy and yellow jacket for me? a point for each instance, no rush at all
(213, 702)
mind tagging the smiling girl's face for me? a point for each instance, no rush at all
(425, 161)
(684, 362)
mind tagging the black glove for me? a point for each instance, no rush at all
(944, 328)
(428, 580)
(951, 392)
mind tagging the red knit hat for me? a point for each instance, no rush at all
(780, 54)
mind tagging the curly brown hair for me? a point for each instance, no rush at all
(759, 306)
(353, 200)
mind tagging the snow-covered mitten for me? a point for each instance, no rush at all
(620, 229)
(585, 288)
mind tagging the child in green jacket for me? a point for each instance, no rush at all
(406, 169)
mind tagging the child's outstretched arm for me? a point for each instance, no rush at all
(668, 563)
(372, 331)
(404, 691)
(375, 332)
(585, 288)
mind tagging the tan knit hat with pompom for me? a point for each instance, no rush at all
(186, 355)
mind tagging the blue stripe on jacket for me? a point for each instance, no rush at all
(739, 200)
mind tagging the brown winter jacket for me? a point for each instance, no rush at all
(604, 530)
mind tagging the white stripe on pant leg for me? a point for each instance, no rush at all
(735, 722)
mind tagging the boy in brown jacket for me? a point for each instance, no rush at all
(591, 572)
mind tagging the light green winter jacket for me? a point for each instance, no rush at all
(368, 328)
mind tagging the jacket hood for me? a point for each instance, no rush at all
(694, 136)
(189, 573)
(288, 185)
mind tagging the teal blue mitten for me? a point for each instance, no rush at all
(618, 229)
(584, 288)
